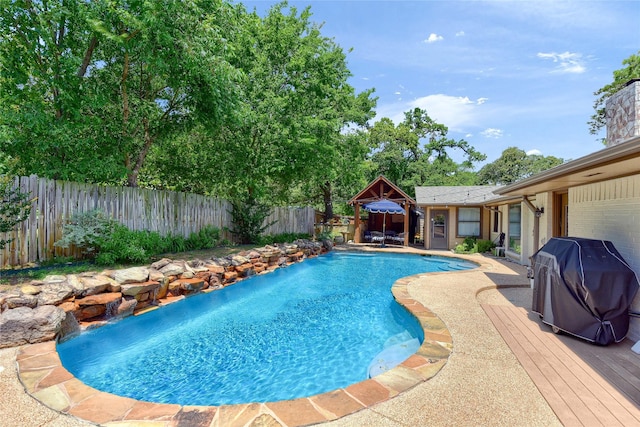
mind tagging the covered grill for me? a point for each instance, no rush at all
(583, 287)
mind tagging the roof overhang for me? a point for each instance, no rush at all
(613, 162)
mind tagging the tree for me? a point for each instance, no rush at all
(296, 103)
(88, 88)
(513, 165)
(15, 207)
(620, 78)
(416, 152)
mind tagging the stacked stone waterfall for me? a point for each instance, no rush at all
(59, 307)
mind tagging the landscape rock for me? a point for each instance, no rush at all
(98, 284)
(160, 263)
(54, 293)
(24, 325)
(155, 275)
(132, 275)
(21, 300)
(237, 260)
(139, 288)
(126, 307)
(30, 290)
(172, 269)
(75, 283)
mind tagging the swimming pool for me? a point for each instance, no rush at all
(313, 327)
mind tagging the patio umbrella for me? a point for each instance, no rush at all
(384, 206)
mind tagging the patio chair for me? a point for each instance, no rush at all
(389, 235)
(367, 236)
(377, 237)
(399, 239)
(499, 249)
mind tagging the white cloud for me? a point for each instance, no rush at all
(534, 152)
(460, 34)
(492, 133)
(567, 62)
(481, 101)
(433, 37)
(455, 112)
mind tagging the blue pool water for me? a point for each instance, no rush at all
(316, 326)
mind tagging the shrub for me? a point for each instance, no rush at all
(472, 245)
(248, 215)
(87, 231)
(124, 246)
(208, 237)
(282, 238)
(485, 246)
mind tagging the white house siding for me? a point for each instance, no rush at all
(610, 210)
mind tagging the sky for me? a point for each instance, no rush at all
(498, 74)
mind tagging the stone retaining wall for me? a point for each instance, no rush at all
(59, 307)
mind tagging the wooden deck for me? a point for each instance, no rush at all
(585, 384)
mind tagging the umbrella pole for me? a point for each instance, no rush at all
(384, 223)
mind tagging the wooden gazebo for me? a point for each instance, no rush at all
(382, 188)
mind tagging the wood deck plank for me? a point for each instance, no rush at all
(560, 408)
(572, 382)
(606, 388)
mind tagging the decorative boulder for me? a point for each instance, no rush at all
(24, 325)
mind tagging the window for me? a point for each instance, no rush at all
(496, 220)
(514, 227)
(469, 222)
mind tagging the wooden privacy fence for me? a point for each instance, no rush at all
(165, 212)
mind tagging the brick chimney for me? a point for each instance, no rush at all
(623, 113)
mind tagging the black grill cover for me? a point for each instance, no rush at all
(583, 287)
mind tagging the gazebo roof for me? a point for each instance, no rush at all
(381, 188)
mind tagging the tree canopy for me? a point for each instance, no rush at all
(418, 152)
(87, 88)
(515, 164)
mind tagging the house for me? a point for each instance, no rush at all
(596, 196)
(455, 213)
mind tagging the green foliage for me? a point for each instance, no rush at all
(282, 238)
(417, 152)
(111, 243)
(248, 216)
(485, 245)
(87, 231)
(620, 78)
(124, 246)
(473, 245)
(136, 247)
(513, 165)
(87, 88)
(208, 237)
(15, 207)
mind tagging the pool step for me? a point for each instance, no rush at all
(392, 356)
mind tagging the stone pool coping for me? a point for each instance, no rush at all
(41, 373)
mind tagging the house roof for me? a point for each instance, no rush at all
(381, 188)
(456, 196)
(612, 162)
